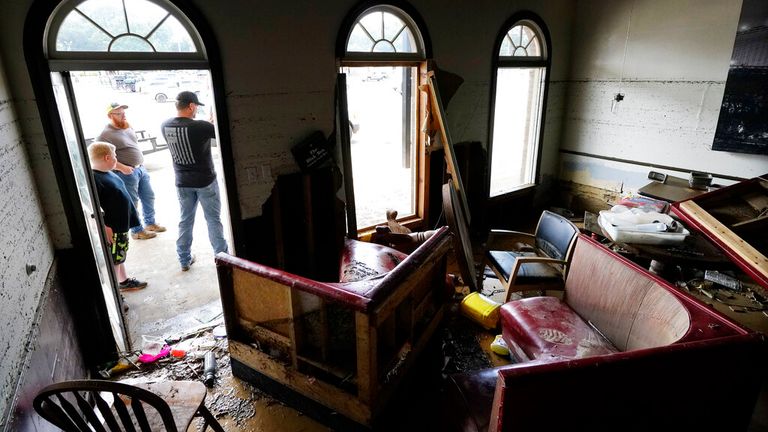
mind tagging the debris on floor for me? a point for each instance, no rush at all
(237, 405)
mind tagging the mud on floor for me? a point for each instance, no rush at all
(236, 404)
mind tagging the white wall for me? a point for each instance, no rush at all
(25, 241)
(670, 59)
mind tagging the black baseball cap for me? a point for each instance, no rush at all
(187, 97)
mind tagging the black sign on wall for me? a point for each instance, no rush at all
(743, 123)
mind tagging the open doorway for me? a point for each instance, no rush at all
(174, 300)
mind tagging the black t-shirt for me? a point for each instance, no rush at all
(119, 212)
(189, 142)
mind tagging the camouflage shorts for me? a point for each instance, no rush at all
(119, 247)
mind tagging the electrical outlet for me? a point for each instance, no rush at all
(253, 174)
(259, 174)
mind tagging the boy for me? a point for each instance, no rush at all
(119, 212)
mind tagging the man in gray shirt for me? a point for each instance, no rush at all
(130, 168)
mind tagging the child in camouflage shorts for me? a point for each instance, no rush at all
(119, 212)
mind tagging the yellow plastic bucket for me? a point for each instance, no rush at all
(481, 309)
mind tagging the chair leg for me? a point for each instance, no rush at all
(210, 420)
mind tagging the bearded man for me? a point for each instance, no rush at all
(130, 168)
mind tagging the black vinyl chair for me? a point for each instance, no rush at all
(538, 261)
(521, 261)
(101, 406)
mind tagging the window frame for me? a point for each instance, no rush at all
(535, 22)
(419, 60)
(95, 60)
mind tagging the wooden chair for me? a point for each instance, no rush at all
(521, 261)
(537, 261)
(86, 406)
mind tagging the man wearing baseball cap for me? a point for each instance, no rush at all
(189, 142)
(130, 168)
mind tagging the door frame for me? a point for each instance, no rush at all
(35, 27)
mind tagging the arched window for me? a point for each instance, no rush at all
(382, 51)
(519, 95)
(127, 31)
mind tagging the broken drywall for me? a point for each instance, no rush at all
(25, 253)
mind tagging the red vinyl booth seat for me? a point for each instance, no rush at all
(623, 350)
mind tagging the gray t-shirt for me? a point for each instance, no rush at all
(126, 144)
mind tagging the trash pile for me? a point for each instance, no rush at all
(198, 354)
(174, 357)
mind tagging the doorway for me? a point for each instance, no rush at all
(174, 300)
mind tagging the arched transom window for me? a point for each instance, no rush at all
(114, 29)
(383, 57)
(519, 89)
(381, 31)
(521, 41)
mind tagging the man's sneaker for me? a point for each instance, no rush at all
(186, 267)
(143, 235)
(132, 284)
(154, 228)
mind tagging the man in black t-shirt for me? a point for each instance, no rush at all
(189, 142)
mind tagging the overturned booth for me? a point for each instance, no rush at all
(335, 347)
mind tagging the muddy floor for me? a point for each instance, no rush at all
(239, 406)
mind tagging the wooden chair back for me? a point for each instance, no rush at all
(80, 406)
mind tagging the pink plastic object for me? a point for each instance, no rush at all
(148, 358)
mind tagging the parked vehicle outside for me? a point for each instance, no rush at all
(161, 88)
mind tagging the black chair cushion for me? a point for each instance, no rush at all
(531, 273)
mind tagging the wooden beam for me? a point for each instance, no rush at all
(326, 394)
(450, 154)
(736, 244)
(367, 367)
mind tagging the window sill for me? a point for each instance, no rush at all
(514, 193)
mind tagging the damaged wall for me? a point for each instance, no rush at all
(670, 60)
(25, 245)
(279, 66)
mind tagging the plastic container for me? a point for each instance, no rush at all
(481, 309)
(624, 235)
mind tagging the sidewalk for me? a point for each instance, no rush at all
(173, 300)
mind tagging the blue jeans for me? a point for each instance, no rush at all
(208, 197)
(139, 188)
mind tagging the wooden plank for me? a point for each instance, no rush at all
(422, 204)
(262, 301)
(315, 389)
(421, 308)
(751, 223)
(338, 372)
(293, 334)
(406, 287)
(263, 334)
(342, 129)
(417, 347)
(450, 153)
(367, 367)
(226, 289)
(734, 243)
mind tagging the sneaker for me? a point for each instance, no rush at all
(186, 267)
(143, 235)
(154, 228)
(132, 284)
